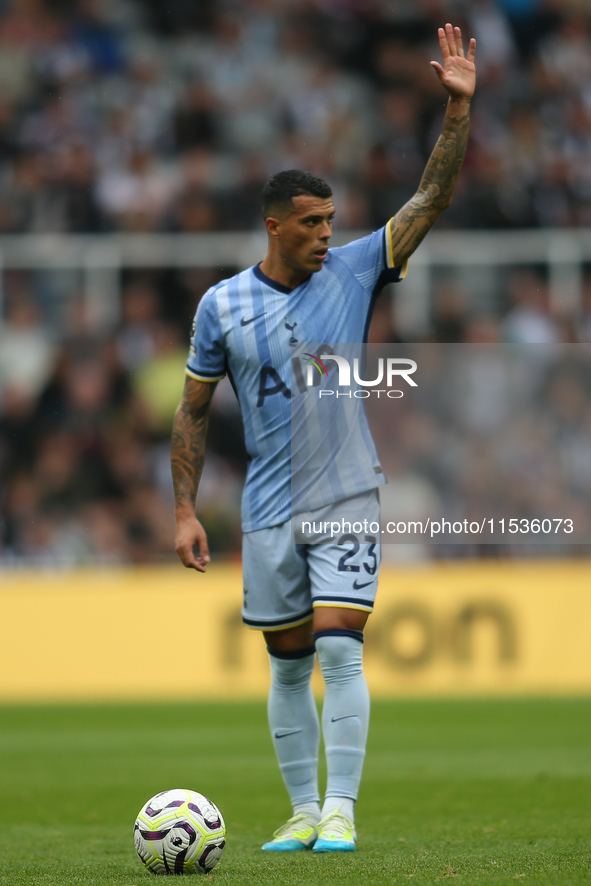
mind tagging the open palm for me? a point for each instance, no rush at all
(458, 74)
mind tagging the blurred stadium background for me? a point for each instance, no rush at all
(134, 139)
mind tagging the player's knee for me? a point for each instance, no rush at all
(340, 654)
(291, 670)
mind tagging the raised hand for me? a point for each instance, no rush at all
(458, 74)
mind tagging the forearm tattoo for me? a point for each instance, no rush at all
(188, 450)
(415, 218)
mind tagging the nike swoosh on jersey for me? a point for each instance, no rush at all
(348, 717)
(358, 587)
(244, 322)
(285, 734)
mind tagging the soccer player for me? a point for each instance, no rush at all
(296, 594)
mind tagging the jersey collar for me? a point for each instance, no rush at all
(273, 283)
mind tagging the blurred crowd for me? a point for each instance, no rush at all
(85, 436)
(489, 435)
(138, 115)
(141, 115)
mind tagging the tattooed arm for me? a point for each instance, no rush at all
(187, 457)
(458, 76)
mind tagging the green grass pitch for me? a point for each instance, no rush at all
(477, 792)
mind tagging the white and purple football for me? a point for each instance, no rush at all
(179, 832)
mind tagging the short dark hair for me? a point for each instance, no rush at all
(277, 194)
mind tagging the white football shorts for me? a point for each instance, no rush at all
(284, 582)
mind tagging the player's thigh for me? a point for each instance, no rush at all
(327, 618)
(344, 573)
(276, 583)
(291, 639)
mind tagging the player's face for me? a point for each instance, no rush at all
(303, 235)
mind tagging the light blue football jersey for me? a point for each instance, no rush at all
(249, 327)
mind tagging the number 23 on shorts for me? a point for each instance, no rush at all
(370, 561)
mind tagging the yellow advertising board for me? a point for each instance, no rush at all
(169, 633)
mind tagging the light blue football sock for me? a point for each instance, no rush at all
(345, 715)
(293, 719)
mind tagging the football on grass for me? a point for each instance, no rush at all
(179, 832)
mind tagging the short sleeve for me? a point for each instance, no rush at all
(372, 260)
(207, 355)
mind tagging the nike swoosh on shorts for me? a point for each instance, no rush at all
(244, 322)
(358, 587)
